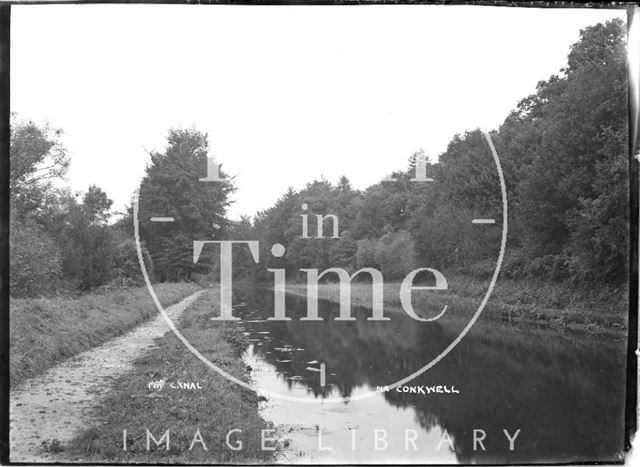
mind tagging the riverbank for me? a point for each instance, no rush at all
(46, 331)
(598, 312)
(189, 401)
(48, 410)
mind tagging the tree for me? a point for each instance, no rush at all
(126, 265)
(172, 187)
(37, 158)
(97, 205)
(366, 253)
(244, 267)
(564, 155)
(383, 205)
(573, 197)
(395, 253)
(342, 251)
(86, 240)
(467, 176)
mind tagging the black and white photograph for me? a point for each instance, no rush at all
(347, 233)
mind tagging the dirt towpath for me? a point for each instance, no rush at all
(59, 403)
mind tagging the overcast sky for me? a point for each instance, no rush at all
(286, 94)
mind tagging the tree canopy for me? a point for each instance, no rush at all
(172, 188)
(564, 155)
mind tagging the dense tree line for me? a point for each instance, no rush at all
(59, 240)
(563, 151)
(564, 154)
(65, 242)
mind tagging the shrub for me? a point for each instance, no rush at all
(515, 263)
(87, 255)
(481, 269)
(126, 265)
(366, 253)
(35, 265)
(395, 253)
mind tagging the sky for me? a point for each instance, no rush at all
(287, 94)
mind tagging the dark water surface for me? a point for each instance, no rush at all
(564, 392)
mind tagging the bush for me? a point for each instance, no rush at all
(481, 269)
(35, 265)
(446, 237)
(515, 264)
(366, 253)
(395, 253)
(126, 266)
(87, 255)
(554, 267)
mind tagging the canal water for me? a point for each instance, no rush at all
(558, 397)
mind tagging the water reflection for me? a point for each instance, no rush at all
(565, 393)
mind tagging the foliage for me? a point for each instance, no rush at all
(366, 253)
(172, 187)
(86, 241)
(55, 239)
(37, 158)
(395, 253)
(126, 265)
(243, 263)
(573, 201)
(563, 153)
(34, 261)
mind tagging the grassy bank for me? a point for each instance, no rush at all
(602, 312)
(217, 408)
(45, 331)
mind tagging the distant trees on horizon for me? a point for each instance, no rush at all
(563, 150)
(564, 153)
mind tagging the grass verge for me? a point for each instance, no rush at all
(598, 312)
(46, 331)
(217, 408)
